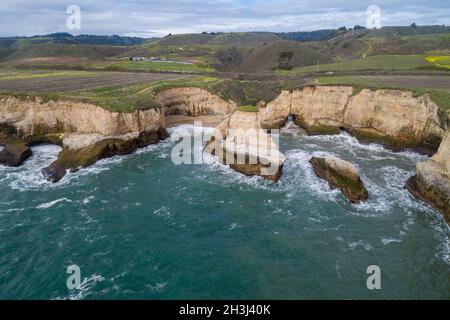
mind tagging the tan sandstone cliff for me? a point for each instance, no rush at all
(395, 117)
(432, 181)
(86, 132)
(193, 102)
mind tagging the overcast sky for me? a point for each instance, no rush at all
(157, 18)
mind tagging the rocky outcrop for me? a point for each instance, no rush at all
(240, 142)
(87, 132)
(432, 181)
(34, 117)
(341, 175)
(396, 118)
(83, 150)
(275, 114)
(320, 110)
(193, 102)
(14, 154)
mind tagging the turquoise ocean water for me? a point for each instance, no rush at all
(141, 227)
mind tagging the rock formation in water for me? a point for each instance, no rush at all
(88, 132)
(14, 154)
(82, 150)
(396, 118)
(33, 121)
(432, 181)
(341, 175)
(241, 142)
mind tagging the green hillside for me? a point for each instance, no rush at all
(391, 32)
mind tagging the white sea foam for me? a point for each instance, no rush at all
(348, 142)
(88, 199)
(29, 175)
(85, 287)
(52, 203)
(359, 243)
(292, 129)
(387, 241)
(233, 226)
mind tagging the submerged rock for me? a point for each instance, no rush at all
(241, 143)
(14, 154)
(341, 175)
(432, 181)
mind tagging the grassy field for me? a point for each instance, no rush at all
(123, 97)
(127, 98)
(437, 87)
(382, 62)
(158, 66)
(67, 81)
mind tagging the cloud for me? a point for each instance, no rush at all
(157, 18)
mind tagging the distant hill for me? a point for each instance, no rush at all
(359, 31)
(220, 39)
(393, 32)
(271, 56)
(240, 51)
(305, 36)
(65, 44)
(67, 38)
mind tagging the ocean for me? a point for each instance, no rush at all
(141, 227)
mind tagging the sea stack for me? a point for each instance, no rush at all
(341, 175)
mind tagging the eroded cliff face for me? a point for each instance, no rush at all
(320, 110)
(86, 132)
(35, 117)
(276, 113)
(432, 181)
(397, 117)
(394, 117)
(193, 102)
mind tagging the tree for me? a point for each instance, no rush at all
(413, 25)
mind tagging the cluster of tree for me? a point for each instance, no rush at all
(319, 35)
(212, 33)
(67, 38)
(305, 36)
(229, 58)
(113, 40)
(284, 61)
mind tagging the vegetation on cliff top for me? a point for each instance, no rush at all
(440, 92)
(248, 108)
